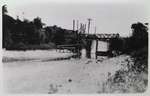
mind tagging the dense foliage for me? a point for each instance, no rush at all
(23, 35)
(135, 45)
(133, 77)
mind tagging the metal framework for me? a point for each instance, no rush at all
(97, 37)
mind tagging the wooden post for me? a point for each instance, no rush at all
(78, 38)
(84, 28)
(89, 20)
(80, 28)
(77, 25)
(88, 47)
(96, 48)
(73, 25)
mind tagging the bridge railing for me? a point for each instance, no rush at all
(67, 48)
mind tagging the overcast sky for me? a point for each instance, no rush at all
(109, 16)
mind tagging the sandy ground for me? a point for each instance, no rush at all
(65, 76)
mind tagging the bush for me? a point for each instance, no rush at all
(140, 60)
(19, 46)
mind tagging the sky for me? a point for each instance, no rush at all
(109, 16)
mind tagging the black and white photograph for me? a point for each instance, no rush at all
(75, 47)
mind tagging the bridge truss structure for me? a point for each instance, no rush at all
(89, 38)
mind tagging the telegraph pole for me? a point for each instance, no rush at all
(77, 25)
(73, 25)
(84, 28)
(89, 21)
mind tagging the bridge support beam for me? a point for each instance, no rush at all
(88, 48)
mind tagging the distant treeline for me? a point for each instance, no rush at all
(22, 35)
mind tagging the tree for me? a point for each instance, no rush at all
(139, 46)
(38, 23)
(59, 37)
(139, 30)
(8, 26)
(4, 9)
(116, 44)
(139, 36)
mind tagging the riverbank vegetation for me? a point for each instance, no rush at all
(29, 35)
(133, 77)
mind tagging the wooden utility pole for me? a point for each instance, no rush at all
(84, 28)
(73, 25)
(80, 28)
(77, 25)
(96, 49)
(89, 21)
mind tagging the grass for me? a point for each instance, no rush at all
(128, 79)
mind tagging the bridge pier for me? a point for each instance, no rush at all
(88, 48)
